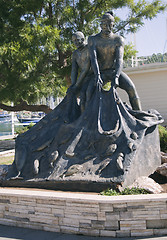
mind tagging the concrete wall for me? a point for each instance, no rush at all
(94, 215)
(151, 83)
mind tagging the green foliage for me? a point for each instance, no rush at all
(129, 51)
(110, 192)
(24, 129)
(126, 191)
(154, 58)
(143, 60)
(163, 138)
(35, 42)
(133, 191)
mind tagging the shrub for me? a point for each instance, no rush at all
(110, 192)
(133, 191)
(24, 129)
(163, 138)
(126, 191)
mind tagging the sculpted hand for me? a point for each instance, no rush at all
(115, 82)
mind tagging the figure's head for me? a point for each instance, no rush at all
(107, 23)
(78, 39)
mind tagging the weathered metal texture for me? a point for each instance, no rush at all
(108, 144)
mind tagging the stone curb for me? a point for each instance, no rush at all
(86, 214)
(7, 152)
(7, 137)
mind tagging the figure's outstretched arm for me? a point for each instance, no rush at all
(74, 71)
(83, 74)
(74, 75)
(94, 62)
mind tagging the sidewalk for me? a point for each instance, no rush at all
(15, 233)
(6, 137)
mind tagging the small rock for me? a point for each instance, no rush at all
(163, 157)
(54, 156)
(69, 153)
(111, 149)
(121, 155)
(134, 136)
(36, 166)
(148, 184)
(132, 146)
(120, 160)
(103, 165)
(119, 164)
(162, 169)
(73, 170)
(3, 171)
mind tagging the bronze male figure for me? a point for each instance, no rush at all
(80, 62)
(106, 52)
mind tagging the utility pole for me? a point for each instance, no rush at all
(136, 61)
(133, 41)
(165, 39)
(12, 120)
(165, 43)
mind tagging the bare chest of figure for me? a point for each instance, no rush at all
(105, 49)
(82, 57)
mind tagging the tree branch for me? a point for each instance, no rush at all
(94, 8)
(24, 106)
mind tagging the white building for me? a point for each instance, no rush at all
(151, 84)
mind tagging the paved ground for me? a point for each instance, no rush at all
(7, 143)
(14, 233)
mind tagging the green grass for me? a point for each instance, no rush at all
(6, 160)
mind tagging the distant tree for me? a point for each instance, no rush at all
(36, 48)
(154, 58)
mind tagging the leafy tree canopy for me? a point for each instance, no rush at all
(35, 41)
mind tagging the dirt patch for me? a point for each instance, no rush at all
(6, 160)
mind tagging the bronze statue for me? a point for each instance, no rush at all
(80, 62)
(106, 53)
(107, 145)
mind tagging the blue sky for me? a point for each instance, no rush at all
(151, 37)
